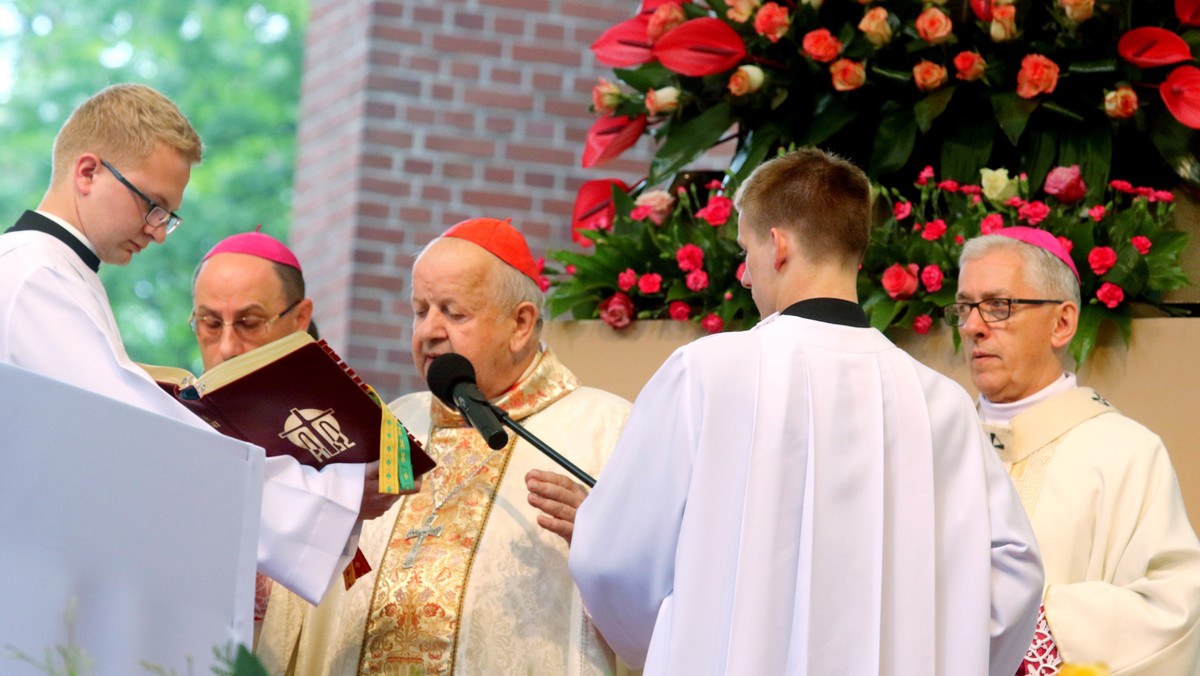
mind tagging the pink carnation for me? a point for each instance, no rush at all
(679, 311)
(902, 210)
(717, 211)
(690, 257)
(1142, 244)
(1033, 212)
(934, 229)
(1097, 212)
(697, 280)
(922, 324)
(1110, 294)
(650, 283)
(991, 223)
(712, 323)
(931, 277)
(1066, 243)
(627, 280)
(1102, 259)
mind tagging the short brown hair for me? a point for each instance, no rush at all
(822, 199)
(123, 124)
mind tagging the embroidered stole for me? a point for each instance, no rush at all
(415, 612)
(1027, 445)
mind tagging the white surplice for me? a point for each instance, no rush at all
(1122, 561)
(55, 319)
(805, 498)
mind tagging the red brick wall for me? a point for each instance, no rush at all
(417, 114)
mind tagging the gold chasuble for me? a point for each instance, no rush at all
(464, 580)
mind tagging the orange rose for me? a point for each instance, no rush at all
(772, 21)
(1077, 11)
(1121, 104)
(1004, 23)
(605, 97)
(746, 80)
(667, 16)
(934, 26)
(740, 11)
(820, 45)
(847, 75)
(662, 100)
(970, 66)
(875, 26)
(928, 75)
(1038, 75)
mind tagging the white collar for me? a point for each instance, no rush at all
(1002, 414)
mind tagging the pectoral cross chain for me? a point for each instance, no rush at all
(426, 530)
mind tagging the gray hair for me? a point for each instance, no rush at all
(1043, 270)
(512, 287)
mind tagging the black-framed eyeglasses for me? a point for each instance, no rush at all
(157, 216)
(990, 309)
(248, 327)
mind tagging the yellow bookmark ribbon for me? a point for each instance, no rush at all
(395, 453)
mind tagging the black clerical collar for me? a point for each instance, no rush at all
(32, 220)
(830, 311)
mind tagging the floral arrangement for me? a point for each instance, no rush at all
(900, 84)
(1123, 244)
(667, 254)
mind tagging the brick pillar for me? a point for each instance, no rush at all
(417, 114)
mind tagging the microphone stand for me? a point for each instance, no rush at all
(541, 446)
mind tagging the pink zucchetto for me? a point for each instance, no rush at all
(1042, 240)
(501, 239)
(257, 244)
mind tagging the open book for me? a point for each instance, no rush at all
(294, 397)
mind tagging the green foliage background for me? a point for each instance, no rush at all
(233, 66)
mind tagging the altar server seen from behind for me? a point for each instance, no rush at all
(804, 497)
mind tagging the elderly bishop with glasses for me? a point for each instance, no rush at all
(1122, 562)
(121, 163)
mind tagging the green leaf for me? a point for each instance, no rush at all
(1129, 272)
(1041, 152)
(967, 148)
(1012, 114)
(931, 107)
(894, 142)
(647, 76)
(754, 150)
(831, 116)
(1090, 145)
(1090, 317)
(686, 142)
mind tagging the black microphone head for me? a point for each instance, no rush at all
(445, 372)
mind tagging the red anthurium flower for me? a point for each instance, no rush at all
(982, 9)
(1181, 93)
(610, 136)
(648, 6)
(1188, 12)
(625, 44)
(594, 208)
(1148, 46)
(700, 47)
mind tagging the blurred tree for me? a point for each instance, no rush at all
(234, 68)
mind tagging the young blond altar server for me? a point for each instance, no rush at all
(121, 163)
(804, 497)
(465, 580)
(1122, 562)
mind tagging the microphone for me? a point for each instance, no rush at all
(451, 378)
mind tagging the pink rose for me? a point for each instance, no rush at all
(605, 97)
(875, 26)
(1066, 243)
(1038, 75)
(922, 324)
(666, 16)
(679, 311)
(1033, 212)
(934, 229)
(650, 283)
(697, 280)
(772, 21)
(627, 280)
(717, 211)
(1004, 23)
(934, 26)
(900, 281)
(970, 66)
(1077, 11)
(740, 10)
(1121, 103)
(820, 45)
(712, 323)
(847, 75)
(1066, 184)
(1097, 212)
(1142, 244)
(1110, 294)
(663, 100)
(931, 277)
(991, 223)
(657, 204)
(690, 257)
(928, 75)
(1101, 259)
(902, 210)
(617, 311)
(746, 79)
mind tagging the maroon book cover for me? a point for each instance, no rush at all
(306, 403)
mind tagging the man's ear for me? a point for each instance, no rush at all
(1066, 321)
(525, 319)
(83, 172)
(303, 314)
(780, 248)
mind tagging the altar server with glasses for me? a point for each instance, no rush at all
(1122, 562)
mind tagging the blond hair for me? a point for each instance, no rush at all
(123, 124)
(822, 199)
